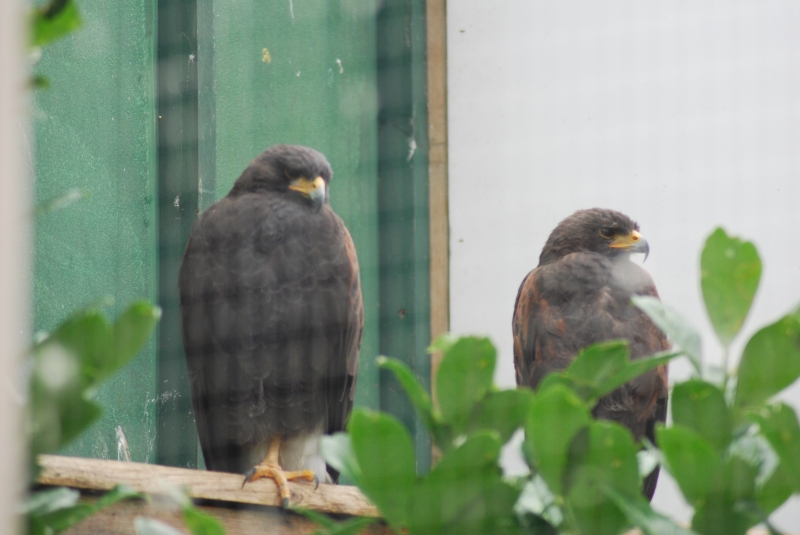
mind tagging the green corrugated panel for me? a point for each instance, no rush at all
(403, 197)
(297, 72)
(178, 206)
(95, 131)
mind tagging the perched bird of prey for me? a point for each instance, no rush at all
(272, 314)
(580, 294)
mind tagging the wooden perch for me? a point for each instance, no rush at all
(99, 474)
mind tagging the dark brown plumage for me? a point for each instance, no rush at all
(272, 314)
(579, 295)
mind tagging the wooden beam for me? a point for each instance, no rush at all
(98, 474)
(437, 177)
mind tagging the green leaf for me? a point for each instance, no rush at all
(753, 447)
(675, 326)
(602, 368)
(700, 406)
(598, 363)
(465, 374)
(779, 425)
(493, 513)
(337, 450)
(62, 517)
(552, 379)
(605, 456)
(770, 362)
(131, 331)
(720, 513)
(443, 343)
(730, 270)
(47, 27)
(610, 460)
(332, 527)
(456, 485)
(118, 493)
(318, 518)
(775, 491)
(690, 458)
(504, 411)
(556, 415)
(89, 337)
(353, 526)
(39, 82)
(634, 369)
(59, 411)
(414, 390)
(641, 514)
(47, 501)
(200, 523)
(103, 349)
(385, 453)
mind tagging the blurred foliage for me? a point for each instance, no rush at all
(734, 454)
(66, 367)
(53, 21)
(330, 526)
(68, 364)
(48, 23)
(54, 510)
(198, 522)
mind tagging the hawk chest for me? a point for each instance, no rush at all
(269, 243)
(592, 290)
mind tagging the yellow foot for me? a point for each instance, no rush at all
(274, 471)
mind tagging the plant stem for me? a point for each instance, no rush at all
(725, 375)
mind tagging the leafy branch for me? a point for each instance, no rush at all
(734, 454)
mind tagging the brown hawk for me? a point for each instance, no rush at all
(271, 314)
(580, 294)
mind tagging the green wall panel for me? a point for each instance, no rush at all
(95, 131)
(403, 206)
(297, 72)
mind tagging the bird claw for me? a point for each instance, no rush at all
(316, 482)
(250, 473)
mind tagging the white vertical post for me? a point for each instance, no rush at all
(14, 253)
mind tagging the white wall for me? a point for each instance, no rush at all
(682, 115)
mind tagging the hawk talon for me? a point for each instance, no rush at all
(250, 473)
(316, 482)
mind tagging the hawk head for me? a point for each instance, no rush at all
(299, 171)
(596, 230)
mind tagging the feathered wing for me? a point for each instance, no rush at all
(572, 303)
(271, 313)
(340, 403)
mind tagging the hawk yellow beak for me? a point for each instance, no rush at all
(313, 189)
(633, 243)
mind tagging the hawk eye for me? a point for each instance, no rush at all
(607, 233)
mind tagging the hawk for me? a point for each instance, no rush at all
(580, 294)
(271, 317)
